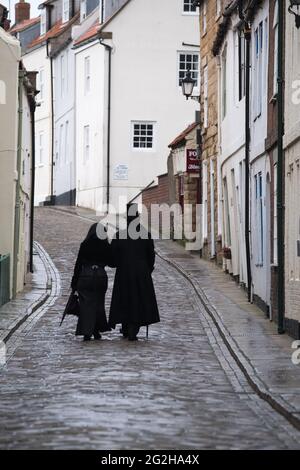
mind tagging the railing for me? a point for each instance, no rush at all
(4, 278)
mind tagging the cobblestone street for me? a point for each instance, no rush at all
(180, 389)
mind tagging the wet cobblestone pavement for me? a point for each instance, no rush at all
(177, 390)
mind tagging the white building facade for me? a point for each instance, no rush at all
(36, 59)
(292, 175)
(17, 91)
(231, 79)
(64, 126)
(150, 45)
(260, 172)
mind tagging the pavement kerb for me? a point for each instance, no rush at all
(254, 381)
(32, 308)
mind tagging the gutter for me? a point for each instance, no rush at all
(109, 49)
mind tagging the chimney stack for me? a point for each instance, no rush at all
(22, 11)
(4, 22)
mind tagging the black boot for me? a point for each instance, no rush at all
(97, 335)
(86, 338)
(132, 332)
(124, 331)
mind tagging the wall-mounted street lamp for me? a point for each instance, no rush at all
(294, 9)
(187, 85)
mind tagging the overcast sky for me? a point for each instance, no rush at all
(10, 4)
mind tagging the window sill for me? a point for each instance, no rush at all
(190, 13)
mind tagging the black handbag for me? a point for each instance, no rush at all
(72, 307)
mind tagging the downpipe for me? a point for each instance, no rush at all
(247, 32)
(280, 174)
(109, 49)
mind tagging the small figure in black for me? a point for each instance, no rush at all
(90, 281)
(133, 301)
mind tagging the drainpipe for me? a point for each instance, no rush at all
(247, 32)
(52, 125)
(32, 111)
(280, 173)
(18, 184)
(109, 49)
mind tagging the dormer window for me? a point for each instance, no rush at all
(82, 10)
(66, 11)
(43, 22)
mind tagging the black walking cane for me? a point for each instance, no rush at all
(147, 331)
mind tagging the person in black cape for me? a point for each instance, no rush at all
(90, 281)
(133, 301)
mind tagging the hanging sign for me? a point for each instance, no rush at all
(192, 161)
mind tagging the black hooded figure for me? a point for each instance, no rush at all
(133, 301)
(90, 281)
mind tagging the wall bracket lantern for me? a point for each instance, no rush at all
(187, 85)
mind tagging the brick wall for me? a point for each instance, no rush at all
(158, 194)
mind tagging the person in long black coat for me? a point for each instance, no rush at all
(133, 301)
(90, 281)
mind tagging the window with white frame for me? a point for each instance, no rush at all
(189, 6)
(188, 61)
(259, 217)
(275, 28)
(227, 214)
(218, 7)
(224, 82)
(87, 74)
(66, 152)
(41, 84)
(40, 148)
(66, 11)
(61, 144)
(82, 10)
(86, 143)
(67, 70)
(205, 96)
(43, 21)
(275, 236)
(258, 69)
(143, 135)
(62, 74)
(205, 200)
(204, 16)
(242, 64)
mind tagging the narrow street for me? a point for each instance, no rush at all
(176, 390)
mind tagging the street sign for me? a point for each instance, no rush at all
(121, 172)
(192, 161)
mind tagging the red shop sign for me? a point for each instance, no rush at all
(192, 161)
